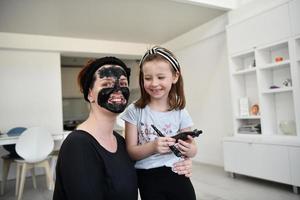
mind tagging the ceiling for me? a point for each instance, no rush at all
(140, 21)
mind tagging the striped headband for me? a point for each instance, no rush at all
(164, 53)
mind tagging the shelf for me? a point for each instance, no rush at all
(270, 140)
(267, 56)
(248, 133)
(249, 53)
(278, 90)
(248, 117)
(274, 46)
(245, 71)
(243, 62)
(285, 63)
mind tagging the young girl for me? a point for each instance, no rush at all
(161, 104)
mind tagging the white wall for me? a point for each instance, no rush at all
(249, 8)
(30, 85)
(207, 91)
(206, 78)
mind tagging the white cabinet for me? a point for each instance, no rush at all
(294, 156)
(264, 66)
(295, 16)
(270, 159)
(276, 88)
(238, 157)
(271, 162)
(261, 29)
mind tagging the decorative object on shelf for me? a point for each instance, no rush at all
(288, 127)
(278, 59)
(255, 109)
(254, 63)
(274, 87)
(287, 82)
(244, 106)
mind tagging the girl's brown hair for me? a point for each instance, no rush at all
(176, 95)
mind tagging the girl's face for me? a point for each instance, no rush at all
(158, 78)
(110, 89)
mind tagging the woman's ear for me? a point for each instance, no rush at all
(175, 77)
(91, 97)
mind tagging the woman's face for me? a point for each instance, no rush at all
(110, 89)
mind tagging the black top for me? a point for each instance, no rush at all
(85, 170)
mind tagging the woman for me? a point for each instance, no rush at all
(93, 162)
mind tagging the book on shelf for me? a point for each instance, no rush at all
(244, 107)
(250, 129)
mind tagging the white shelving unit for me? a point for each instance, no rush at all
(243, 74)
(265, 72)
(266, 76)
(296, 77)
(276, 85)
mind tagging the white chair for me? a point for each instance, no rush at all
(34, 146)
(8, 159)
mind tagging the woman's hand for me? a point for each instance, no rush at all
(162, 144)
(183, 167)
(188, 148)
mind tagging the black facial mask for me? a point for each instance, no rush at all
(105, 93)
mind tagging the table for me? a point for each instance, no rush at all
(5, 139)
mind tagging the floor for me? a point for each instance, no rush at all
(210, 183)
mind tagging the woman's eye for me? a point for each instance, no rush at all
(107, 84)
(123, 84)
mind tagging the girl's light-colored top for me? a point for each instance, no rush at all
(169, 123)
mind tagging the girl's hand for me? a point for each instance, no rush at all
(188, 148)
(183, 167)
(162, 144)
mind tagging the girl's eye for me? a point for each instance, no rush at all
(147, 78)
(161, 78)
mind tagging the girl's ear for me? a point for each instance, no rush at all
(175, 77)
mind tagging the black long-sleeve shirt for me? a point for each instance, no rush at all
(85, 170)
